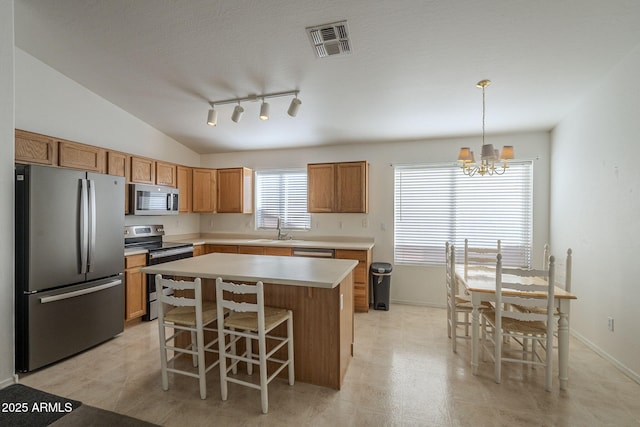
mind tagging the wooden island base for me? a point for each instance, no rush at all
(322, 331)
(318, 291)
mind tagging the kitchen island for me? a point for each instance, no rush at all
(318, 291)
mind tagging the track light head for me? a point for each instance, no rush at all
(264, 111)
(237, 113)
(212, 118)
(294, 106)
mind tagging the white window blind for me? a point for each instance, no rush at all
(282, 194)
(436, 204)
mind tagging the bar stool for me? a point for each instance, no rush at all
(252, 321)
(186, 315)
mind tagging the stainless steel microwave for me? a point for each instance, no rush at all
(148, 199)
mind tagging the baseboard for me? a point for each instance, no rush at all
(421, 304)
(615, 362)
(9, 381)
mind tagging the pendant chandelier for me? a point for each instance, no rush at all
(491, 162)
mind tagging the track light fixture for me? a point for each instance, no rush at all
(293, 107)
(212, 118)
(237, 113)
(264, 111)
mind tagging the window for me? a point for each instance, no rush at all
(282, 194)
(436, 204)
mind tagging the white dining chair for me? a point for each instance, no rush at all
(480, 257)
(524, 288)
(457, 304)
(186, 314)
(251, 321)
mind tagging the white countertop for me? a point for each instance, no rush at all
(349, 243)
(279, 270)
(346, 243)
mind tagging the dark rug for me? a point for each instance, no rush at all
(22, 406)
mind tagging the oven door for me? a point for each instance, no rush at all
(160, 257)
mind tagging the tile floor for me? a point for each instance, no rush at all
(403, 373)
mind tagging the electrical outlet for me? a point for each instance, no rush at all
(610, 323)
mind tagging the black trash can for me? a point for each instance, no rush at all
(380, 278)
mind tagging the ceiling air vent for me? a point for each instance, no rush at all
(330, 39)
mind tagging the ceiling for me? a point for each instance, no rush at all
(411, 74)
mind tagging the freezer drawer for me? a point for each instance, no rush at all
(66, 321)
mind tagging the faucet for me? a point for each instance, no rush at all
(281, 235)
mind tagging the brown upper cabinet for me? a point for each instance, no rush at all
(117, 164)
(204, 190)
(184, 179)
(35, 148)
(81, 156)
(143, 170)
(321, 184)
(235, 190)
(166, 174)
(338, 187)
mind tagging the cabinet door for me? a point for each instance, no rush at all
(143, 170)
(34, 148)
(321, 187)
(135, 295)
(184, 178)
(235, 190)
(351, 187)
(117, 164)
(166, 174)
(135, 282)
(81, 156)
(204, 190)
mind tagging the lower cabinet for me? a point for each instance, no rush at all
(360, 277)
(135, 282)
(198, 250)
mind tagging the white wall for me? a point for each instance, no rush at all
(7, 366)
(48, 102)
(595, 209)
(410, 284)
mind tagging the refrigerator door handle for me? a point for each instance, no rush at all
(84, 226)
(53, 298)
(92, 223)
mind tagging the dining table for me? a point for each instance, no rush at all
(480, 284)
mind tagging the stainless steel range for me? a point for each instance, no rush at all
(149, 237)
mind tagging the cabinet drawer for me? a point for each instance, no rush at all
(226, 249)
(351, 254)
(268, 250)
(251, 250)
(132, 261)
(359, 291)
(360, 273)
(361, 304)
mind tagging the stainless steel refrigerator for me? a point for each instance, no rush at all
(69, 262)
